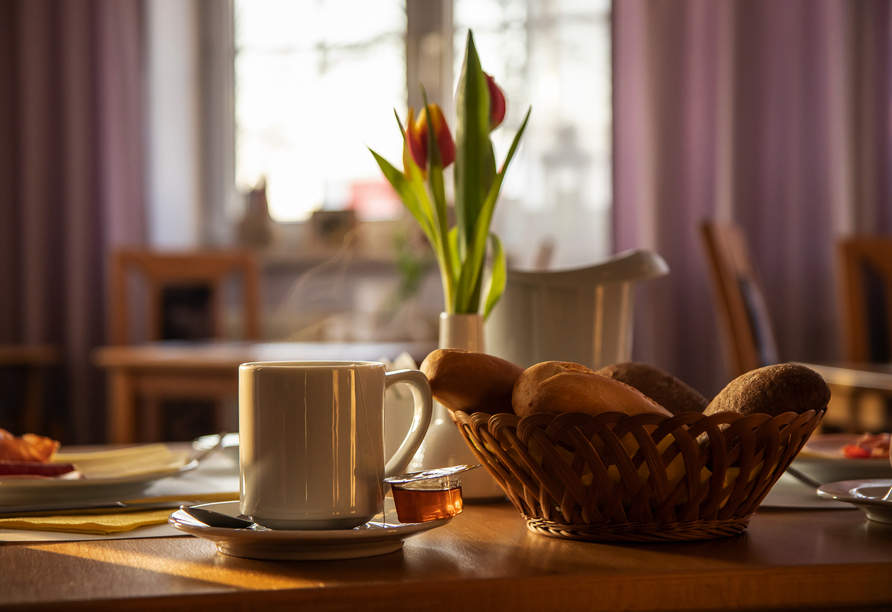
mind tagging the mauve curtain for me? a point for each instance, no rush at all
(773, 114)
(71, 183)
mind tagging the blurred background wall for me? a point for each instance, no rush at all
(773, 114)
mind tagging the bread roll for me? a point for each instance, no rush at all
(773, 390)
(471, 382)
(560, 387)
(663, 388)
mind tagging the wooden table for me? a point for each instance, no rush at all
(850, 380)
(485, 559)
(876, 376)
(188, 369)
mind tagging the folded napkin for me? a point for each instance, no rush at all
(96, 524)
(114, 522)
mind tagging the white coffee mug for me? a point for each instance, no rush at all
(311, 441)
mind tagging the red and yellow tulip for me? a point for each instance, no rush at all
(417, 135)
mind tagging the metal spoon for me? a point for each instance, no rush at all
(217, 519)
(803, 478)
(210, 451)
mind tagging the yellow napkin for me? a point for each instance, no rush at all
(98, 524)
(104, 524)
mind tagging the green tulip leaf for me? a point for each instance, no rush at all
(516, 142)
(473, 263)
(406, 193)
(453, 251)
(498, 278)
(474, 159)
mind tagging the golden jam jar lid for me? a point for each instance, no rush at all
(444, 475)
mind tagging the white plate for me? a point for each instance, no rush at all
(867, 495)
(108, 475)
(383, 534)
(822, 459)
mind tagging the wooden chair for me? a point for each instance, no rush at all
(32, 360)
(747, 333)
(866, 280)
(745, 323)
(865, 267)
(162, 271)
(166, 277)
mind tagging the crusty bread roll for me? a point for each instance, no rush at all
(773, 390)
(663, 388)
(560, 387)
(469, 381)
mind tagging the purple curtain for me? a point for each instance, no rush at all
(775, 115)
(71, 183)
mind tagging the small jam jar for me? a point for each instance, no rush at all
(429, 495)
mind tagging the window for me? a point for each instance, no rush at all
(314, 88)
(555, 56)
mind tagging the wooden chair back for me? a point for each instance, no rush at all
(866, 283)
(163, 270)
(743, 316)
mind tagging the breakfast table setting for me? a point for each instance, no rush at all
(237, 521)
(469, 482)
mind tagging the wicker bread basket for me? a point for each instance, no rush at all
(641, 478)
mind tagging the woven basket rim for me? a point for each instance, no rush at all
(644, 477)
(655, 415)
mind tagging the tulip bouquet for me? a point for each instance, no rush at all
(460, 250)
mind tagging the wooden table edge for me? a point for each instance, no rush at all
(842, 586)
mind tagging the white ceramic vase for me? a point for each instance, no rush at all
(444, 445)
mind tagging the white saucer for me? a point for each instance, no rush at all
(867, 495)
(383, 534)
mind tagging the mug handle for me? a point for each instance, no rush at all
(421, 392)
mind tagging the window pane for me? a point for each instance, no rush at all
(312, 90)
(555, 56)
